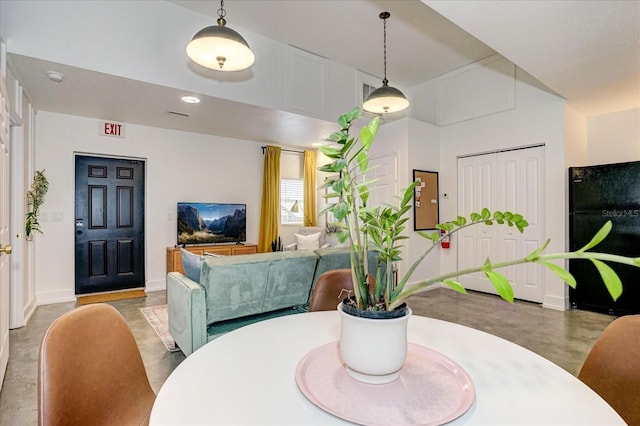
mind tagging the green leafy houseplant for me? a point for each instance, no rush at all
(35, 199)
(381, 229)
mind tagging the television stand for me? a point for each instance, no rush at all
(174, 259)
(238, 243)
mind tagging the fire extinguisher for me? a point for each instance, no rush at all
(445, 243)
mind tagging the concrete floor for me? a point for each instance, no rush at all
(562, 337)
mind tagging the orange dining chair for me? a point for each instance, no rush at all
(90, 371)
(330, 289)
(612, 367)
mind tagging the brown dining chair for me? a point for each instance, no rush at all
(330, 289)
(612, 367)
(90, 371)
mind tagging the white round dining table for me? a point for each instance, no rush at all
(248, 377)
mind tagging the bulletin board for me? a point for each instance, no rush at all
(425, 200)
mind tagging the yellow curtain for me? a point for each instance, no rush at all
(310, 188)
(270, 209)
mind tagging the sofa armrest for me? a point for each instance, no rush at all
(187, 312)
(291, 247)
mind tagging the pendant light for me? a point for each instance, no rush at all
(220, 48)
(386, 98)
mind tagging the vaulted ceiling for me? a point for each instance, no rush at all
(587, 52)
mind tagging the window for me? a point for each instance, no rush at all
(291, 201)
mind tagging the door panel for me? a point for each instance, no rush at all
(109, 224)
(384, 170)
(512, 181)
(475, 177)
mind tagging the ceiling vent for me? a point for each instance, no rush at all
(179, 114)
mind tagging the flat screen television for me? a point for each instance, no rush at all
(211, 223)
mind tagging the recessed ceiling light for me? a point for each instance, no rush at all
(55, 76)
(190, 100)
(317, 144)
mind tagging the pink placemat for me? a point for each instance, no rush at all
(431, 390)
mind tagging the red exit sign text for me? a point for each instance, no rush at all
(110, 128)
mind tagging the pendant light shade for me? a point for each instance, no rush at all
(220, 48)
(385, 99)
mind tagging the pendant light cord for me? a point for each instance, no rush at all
(384, 16)
(221, 14)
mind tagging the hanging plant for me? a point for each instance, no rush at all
(35, 198)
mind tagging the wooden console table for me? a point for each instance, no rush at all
(174, 260)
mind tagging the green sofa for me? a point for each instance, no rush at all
(233, 287)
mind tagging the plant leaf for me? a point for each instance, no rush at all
(501, 283)
(534, 254)
(373, 126)
(610, 278)
(597, 239)
(521, 225)
(343, 120)
(353, 114)
(330, 151)
(561, 272)
(366, 138)
(340, 210)
(337, 136)
(456, 286)
(363, 161)
(433, 236)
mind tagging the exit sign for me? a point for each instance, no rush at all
(111, 128)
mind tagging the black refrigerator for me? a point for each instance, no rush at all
(597, 194)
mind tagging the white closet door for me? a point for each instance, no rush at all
(507, 181)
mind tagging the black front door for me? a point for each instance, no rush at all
(109, 224)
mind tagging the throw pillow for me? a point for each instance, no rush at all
(308, 242)
(191, 263)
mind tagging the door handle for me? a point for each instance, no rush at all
(6, 249)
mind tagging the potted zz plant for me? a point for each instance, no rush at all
(373, 340)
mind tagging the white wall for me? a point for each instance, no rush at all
(424, 154)
(537, 118)
(575, 137)
(416, 146)
(613, 138)
(180, 166)
(145, 41)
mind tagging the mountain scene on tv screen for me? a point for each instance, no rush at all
(211, 223)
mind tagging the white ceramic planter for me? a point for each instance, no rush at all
(373, 350)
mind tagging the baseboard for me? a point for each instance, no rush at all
(50, 297)
(29, 310)
(156, 285)
(62, 296)
(555, 302)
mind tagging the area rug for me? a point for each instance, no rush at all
(158, 319)
(109, 297)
